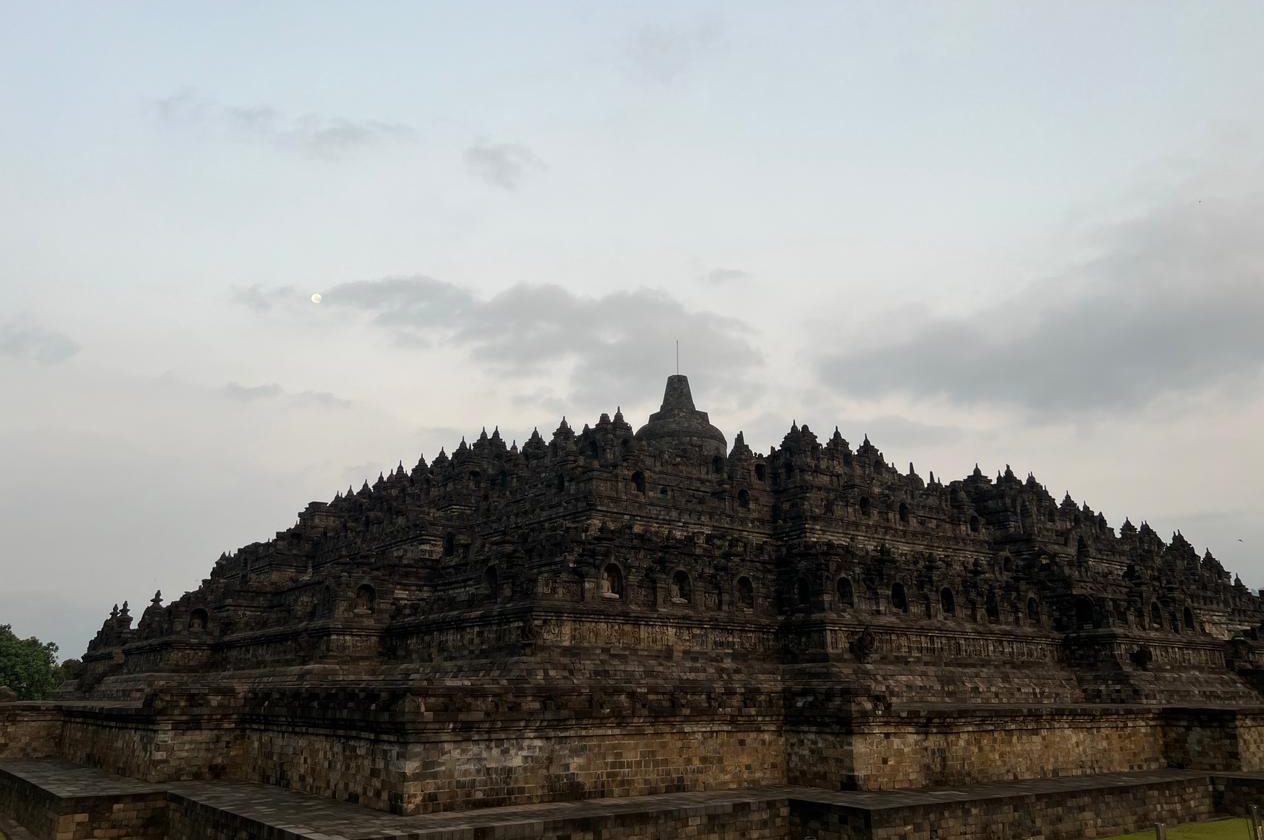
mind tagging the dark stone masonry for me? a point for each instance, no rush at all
(613, 634)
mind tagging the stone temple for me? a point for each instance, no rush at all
(648, 632)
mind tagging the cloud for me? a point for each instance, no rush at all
(663, 53)
(543, 398)
(619, 341)
(261, 298)
(725, 276)
(502, 165)
(272, 391)
(23, 340)
(325, 137)
(250, 393)
(893, 427)
(320, 399)
(1171, 304)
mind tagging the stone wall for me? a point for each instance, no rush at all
(928, 748)
(593, 764)
(36, 810)
(1236, 795)
(135, 742)
(1250, 732)
(29, 730)
(488, 769)
(435, 752)
(352, 767)
(48, 816)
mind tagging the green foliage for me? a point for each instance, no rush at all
(28, 666)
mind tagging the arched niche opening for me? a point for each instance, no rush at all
(198, 621)
(612, 582)
(745, 593)
(1084, 614)
(491, 584)
(899, 598)
(760, 472)
(846, 594)
(1156, 616)
(681, 588)
(743, 498)
(1188, 616)
(365, 599)
(803, 593)
(865, 506)
(947, 603)
(638, 481)
(1033, 611)
(904, 513)
(975, 524)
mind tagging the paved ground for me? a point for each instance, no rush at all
(307, 815)
(69, 780)
(301, 813)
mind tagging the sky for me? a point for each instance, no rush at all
(1024, 234)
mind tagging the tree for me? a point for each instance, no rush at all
(28, 666)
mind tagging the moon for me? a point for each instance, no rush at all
(316, 298)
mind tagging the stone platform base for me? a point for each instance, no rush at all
(58, 800)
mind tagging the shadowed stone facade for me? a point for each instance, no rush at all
(616, 613)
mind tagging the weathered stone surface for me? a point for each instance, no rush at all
(59, 794)
(608, 615)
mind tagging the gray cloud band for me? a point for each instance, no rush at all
(1174, 303)
(502, 165)
(624, 339)
(321, 136)
(22, 340)
(273, 391)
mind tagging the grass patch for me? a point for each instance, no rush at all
(1231, 829)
